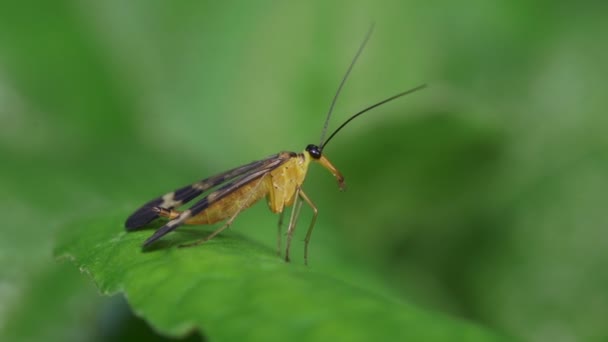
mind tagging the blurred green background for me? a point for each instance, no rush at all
(482, 196)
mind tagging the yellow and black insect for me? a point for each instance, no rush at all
(279, 178)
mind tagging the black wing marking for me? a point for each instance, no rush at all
(174, 199)
(212, 198)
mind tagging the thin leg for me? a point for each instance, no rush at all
(297, 204)
(228, 223)
(212, 235)
(292, 228)
(279, 233)
(315, 211)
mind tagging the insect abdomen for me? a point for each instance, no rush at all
(242, 198)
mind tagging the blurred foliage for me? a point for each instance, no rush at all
(482, 196)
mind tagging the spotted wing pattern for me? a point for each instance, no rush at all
(181, 196)
(213, 197)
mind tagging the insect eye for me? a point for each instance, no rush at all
(314, 151)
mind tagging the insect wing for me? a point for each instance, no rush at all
(174, 199)
(212, 198)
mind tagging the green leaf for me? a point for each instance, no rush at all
(232, 288)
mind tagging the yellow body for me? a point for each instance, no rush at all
(279, 186)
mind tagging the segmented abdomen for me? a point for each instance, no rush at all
(241, 199)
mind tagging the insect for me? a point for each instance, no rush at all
(279, 178)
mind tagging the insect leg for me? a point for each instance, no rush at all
(279, 233)
(315, 211)
(293, 221)
(230, 220)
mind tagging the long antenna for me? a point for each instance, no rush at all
(350, 67)
(420, 87)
